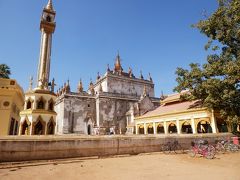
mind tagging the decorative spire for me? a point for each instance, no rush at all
(141, 75)
(30, 83)
(130, 72)
(108, 68)
(118, 67)
(98, 76)
(91, 88)
(150, 77)
(49, 5)
(68, 89)
(53, 84)
(80, 86)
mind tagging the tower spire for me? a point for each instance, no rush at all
(118, 66)
(47, 27)
(49, 5)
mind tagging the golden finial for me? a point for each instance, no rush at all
(118, 67)
(80, 86)
(49, 5)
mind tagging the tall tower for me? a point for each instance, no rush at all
(47, 27)
(39, 116)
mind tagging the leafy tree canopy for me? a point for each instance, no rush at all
(217, 82)
(4, 71)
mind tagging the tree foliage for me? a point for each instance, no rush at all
(4, 71)
(217, 82)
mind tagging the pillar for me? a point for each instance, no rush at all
(213, 123)
(145, 128)
(165, 127)
(154, 128)
(136, 128)
(193, 125)
(178, 127)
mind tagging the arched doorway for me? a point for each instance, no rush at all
(160, 129)
(172, 128)
(25, 128)
(150, 129)
(89, 129)
(38, 130)
(204, 127)
(89, 126)
(51, 127)
(221, 125)
(141, 129)
(186, 128)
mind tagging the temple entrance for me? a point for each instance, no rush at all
(25, 128)
(51, 127)
(150, 129)
(89, 126)
(204, 127)
(141, 130)
(89, 129)
(222, 126)
(172, 128)
(38, 130)
(186, 128)
(160, 129)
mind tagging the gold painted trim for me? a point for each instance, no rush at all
(171, 113)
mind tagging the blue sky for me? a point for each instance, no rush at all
(151, 35)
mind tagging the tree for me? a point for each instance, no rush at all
(4, 71)
(217, 82)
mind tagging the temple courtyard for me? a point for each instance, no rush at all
(143, 166)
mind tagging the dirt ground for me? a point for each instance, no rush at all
(144, 166)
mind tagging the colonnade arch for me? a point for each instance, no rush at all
(172, 128)
(39, 126)
(186, 128)
(150, 129)
(141, 129)
(160, 129)
(204, 126)
(25, 127)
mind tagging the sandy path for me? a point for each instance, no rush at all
(146, 166)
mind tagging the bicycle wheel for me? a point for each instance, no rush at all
(178, 149)
(166, 149)
(210, 152)
(220, 148)
(192, 152)
(233, 147)
(210, 155)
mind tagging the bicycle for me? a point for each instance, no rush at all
(203, 148)
(174, 146)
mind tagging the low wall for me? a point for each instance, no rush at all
(23, 148)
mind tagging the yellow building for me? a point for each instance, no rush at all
(180, 117)
(11, 103)
(38, 116)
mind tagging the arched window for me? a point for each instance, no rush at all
(39, 126)
(41, 103)
(51, 127)
(50, 105)
(29, 104)
(48, 19)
